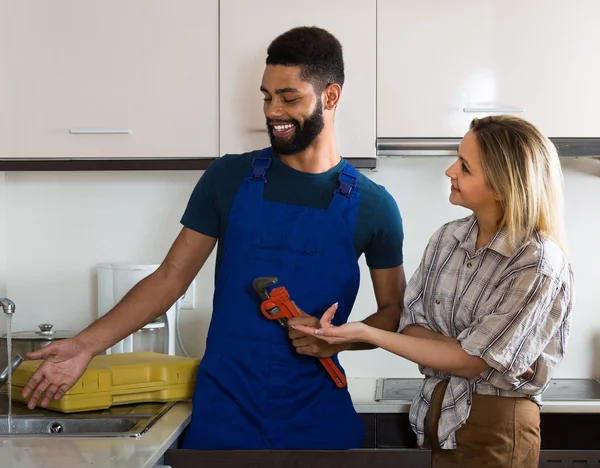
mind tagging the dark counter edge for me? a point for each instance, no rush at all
(183, 164)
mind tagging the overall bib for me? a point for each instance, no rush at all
(253, 391)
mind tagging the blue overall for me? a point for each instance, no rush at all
(253, 391)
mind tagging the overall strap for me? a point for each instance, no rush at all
(346, 189)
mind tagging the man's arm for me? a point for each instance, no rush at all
(389, 285)
(152, 296)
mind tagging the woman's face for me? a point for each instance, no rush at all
(469, 186)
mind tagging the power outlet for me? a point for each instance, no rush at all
(188, 300)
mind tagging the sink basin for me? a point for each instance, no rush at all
(38, 425)
(118, 421)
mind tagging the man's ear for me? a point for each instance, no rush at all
(332, 94)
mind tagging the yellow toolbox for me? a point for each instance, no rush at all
(120, 379)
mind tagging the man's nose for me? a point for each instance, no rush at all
(273, 109)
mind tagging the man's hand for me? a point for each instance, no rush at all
(65, 361)
(309, 344)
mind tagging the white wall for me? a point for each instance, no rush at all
(55, 227)
(421, 190)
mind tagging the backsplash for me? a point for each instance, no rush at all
(58, 225)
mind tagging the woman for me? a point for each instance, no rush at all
(487, 312)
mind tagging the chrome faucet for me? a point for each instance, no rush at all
(9, 308)
(7, 305)
(16, 362)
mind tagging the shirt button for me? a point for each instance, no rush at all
(469, 265)
(437, 301)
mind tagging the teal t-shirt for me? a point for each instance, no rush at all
(378, 233)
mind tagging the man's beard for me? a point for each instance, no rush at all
(302, 137)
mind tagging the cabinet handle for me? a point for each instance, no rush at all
(502, 110)
(259, 130)
(100, 131)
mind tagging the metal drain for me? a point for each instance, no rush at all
(55, 428)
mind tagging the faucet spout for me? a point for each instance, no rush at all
(7, 305)
(16, 362)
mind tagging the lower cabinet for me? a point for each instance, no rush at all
(568, 440)
(388, 431)
(570, 431)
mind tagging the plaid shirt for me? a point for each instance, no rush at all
(510, 308)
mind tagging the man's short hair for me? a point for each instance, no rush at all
(316, 51)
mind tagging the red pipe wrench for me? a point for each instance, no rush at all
(277, 305)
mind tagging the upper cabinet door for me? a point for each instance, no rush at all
(109, 79)
(246, 30)
(440, 64)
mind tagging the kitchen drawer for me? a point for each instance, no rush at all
(570, 458)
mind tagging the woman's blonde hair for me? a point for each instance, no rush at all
(522, 166)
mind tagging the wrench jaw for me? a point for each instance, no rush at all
(260, 285)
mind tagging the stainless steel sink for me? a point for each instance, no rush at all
(120, 421)
(67, 426)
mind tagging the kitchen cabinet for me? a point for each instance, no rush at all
(439, 64)
(392, 431)
(246, 30)
(111, 79)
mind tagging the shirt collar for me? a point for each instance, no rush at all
(467, 238)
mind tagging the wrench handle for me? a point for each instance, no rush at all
(334, 372)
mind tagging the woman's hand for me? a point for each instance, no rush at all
(348, 333)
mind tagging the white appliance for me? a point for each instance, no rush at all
(114, 281)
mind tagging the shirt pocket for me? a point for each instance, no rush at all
(301, 244)
(286, 256)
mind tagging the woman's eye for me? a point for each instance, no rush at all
(464, 168)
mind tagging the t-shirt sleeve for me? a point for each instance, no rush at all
(385, 248)
(202, 211)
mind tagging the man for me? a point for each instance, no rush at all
(296, 211)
